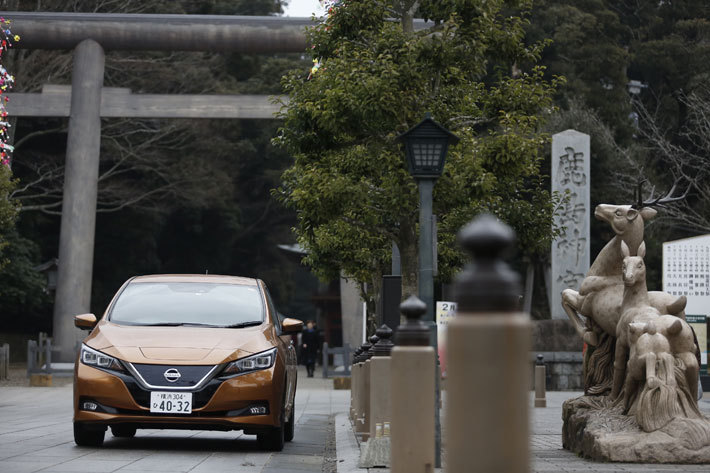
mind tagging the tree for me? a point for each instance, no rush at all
(589, 48)
(685, 158)
(8, 208)
(376, 78)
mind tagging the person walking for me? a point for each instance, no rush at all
(309, 347)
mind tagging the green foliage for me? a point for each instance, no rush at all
(350, 185)
(24, 304)
(590, 49)
(8, 209)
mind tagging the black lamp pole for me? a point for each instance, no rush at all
(426, 145)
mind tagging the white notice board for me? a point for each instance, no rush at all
(686, 272)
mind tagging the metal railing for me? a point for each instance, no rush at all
(39, 358)
(4, 361)
(341, 357)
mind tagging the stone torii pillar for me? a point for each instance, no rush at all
(81, 174)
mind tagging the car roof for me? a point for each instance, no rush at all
(198, 278)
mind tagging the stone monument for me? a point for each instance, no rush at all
(570, 251)
(641, 364)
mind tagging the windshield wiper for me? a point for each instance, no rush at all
(179, 324)
(243, 324)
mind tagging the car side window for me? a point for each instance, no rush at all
(272, 309)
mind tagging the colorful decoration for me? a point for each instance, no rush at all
(314, 69)
(6, 83)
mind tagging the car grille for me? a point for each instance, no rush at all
(189, 376)
(142, 396)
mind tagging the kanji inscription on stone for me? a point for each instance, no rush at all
(570, 251)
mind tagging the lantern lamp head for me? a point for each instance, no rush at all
(425, 146)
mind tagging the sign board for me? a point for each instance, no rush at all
(445, 311)
(699, 324)
(686, 272)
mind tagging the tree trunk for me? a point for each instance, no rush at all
(409, 8)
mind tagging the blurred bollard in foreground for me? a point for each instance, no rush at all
(540, 400)
(488, 372)
(412, 370)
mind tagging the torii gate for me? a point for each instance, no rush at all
(88, 34)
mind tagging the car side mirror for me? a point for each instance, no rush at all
(85, 321)
(289, 325)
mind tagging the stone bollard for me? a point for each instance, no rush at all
(540, 400)
(363, 391)
(412, 369)
(380, 365)
(365, 395)
(354, 373)
(488, 374)
(358, 387)
(376, 453)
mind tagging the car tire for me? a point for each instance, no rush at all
(290, 427)
(126, 431)
(273, 439)
(85, 436)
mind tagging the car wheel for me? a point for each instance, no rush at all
(274, 438)
(123, 431)
(290, 426)
(85, 436)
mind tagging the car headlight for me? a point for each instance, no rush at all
(92, 357)
(260, 361)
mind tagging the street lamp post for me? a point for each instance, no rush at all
(425, 146)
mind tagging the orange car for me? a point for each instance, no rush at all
(187, 352)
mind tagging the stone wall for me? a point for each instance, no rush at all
(558, 343)
(563, 370)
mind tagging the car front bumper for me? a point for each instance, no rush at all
(221, 404)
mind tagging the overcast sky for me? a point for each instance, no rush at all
(305, 8)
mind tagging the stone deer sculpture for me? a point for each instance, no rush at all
(648, 349)
(636, 311)
(683, 347)
(600, 294)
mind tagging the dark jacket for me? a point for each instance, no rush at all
(310, 339)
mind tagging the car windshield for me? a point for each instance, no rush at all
(188, 303)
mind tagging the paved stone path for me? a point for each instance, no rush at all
(36, 435)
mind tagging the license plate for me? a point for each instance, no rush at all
(170, 402)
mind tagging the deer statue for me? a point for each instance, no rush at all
(600, 294)
(636, 310)
(648, 348)
(683, 346)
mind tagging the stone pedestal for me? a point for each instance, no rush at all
(595, 429)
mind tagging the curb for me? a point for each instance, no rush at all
(346, 446)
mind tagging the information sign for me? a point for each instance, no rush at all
(686, 272)
(445, 311)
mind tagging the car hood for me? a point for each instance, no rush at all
(178, 345)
